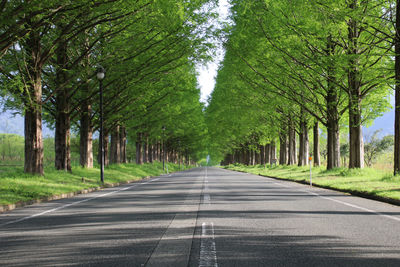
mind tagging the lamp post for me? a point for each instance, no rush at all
(163, 158)
(100, 77)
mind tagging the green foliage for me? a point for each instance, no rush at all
(11, 149)
(375, 145)
(286, 62)
(148, 48)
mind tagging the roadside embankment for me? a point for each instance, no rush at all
(19, 189)
(368, 183)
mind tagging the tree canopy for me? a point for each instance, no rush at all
(49, 53)
(291, 65)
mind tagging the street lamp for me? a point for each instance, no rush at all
(163, 159)
(100, 76)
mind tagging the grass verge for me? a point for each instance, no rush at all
(17, 186)
(369, 182)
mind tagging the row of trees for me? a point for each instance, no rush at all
(292, 67)
(49, 51)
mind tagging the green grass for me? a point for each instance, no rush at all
(17, 186)
(368, 181)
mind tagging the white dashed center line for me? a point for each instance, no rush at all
(208, 251)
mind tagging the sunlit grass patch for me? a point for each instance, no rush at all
(368, 180)
(17, 186)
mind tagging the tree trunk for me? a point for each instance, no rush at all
(246, 156)
(86, 136)
(333, 146)
(262, 155)
(186, 157)
(283, 159)
(163, 152)
(273, 152)
(155, 151)
(158, 152)
(397, 93)
(33, 107)
(115, 152)
(354, 83)
(303, 143)
(316, 153)
(86, 126)
(267, 153)
(33, 141)
(106, 141)
(292, 145)
(62, 139)
(356, 147)
(167, 157)
(122, 139)
(139, 148)
(145, 149)
(333, 142)
(150, 149)
(249, 157)
(235, 156)
(105, 144)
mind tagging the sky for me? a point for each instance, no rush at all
(385, 123)
(207, 73)
(206, 79)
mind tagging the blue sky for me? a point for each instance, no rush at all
(384, 123)
(15, 124)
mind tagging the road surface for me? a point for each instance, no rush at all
(203, 217)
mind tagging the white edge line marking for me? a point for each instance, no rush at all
(73, 204)
(208, 251)
(344, 203)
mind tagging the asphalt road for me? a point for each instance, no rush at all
(204, 217)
